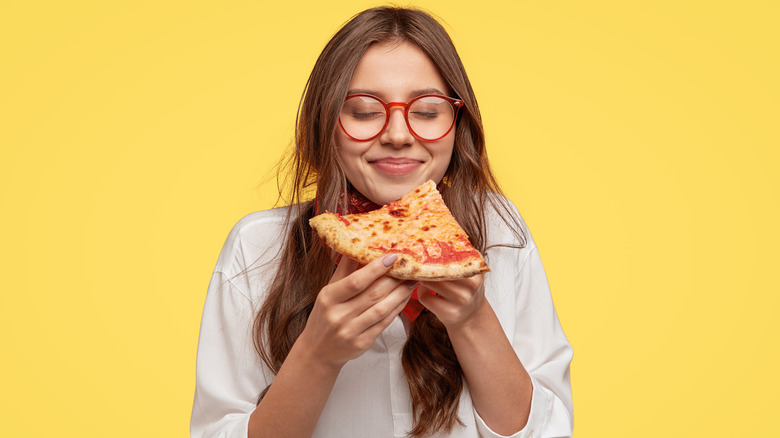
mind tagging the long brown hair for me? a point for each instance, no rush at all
(431, 367)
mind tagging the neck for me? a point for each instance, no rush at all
(356, 203)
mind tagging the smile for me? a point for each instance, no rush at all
(395, 166)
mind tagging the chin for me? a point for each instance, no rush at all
(384, 199)
(391, 194)
(383, 194)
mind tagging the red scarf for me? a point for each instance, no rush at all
(357, 203)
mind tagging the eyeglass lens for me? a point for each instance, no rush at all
(429, 117)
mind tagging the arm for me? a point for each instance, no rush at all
(348, 316)
(515, 359)
(228, 375)
(499, 385)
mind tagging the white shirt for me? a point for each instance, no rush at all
(371, 397)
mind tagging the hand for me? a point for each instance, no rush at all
(352, 310)
(454, 302)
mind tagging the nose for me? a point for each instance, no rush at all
(397, 132)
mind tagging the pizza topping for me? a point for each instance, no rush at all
(399, 212)
(433, 253)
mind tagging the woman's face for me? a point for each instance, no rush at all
(395, 162)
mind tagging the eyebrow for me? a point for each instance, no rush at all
(413, 94)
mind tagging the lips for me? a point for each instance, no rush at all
(395, 166)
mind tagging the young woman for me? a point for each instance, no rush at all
(294, 344)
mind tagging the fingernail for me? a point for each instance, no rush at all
(411, 284)
(389, 260)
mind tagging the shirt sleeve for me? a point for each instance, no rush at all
(545, 352)
(228, 375)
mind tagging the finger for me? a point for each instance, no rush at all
(455, 301)
(435, 303)
(426, 295)
(378, 327)
(426, 290)
(373, 294)
(358, 280)
(377, 291)
(374, 331)
(345, 267)
(462, 288)
(395, 299)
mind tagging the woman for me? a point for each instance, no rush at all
(292, 344)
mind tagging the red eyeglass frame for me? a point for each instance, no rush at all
(456, 104)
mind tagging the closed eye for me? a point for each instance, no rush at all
(367, 116)
(426, 115)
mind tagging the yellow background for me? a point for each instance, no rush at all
(639, 139)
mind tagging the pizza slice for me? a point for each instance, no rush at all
(419, 228)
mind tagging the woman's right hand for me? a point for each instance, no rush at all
(352, 310)
(348, 315)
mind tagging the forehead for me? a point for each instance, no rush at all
(396, 71)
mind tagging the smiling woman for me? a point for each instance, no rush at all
(296, 341)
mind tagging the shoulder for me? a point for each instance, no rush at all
(505, 225)
(513, 259)
(253, 241)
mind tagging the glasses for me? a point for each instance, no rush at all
(429, 117)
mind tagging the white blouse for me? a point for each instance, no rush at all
(370, 397)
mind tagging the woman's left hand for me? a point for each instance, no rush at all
(499, 385)
(454, 302)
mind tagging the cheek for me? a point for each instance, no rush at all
(349, 155)
(444, 156)
(346, 147)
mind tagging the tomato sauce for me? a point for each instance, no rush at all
(448, 253)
